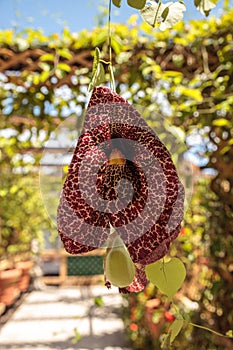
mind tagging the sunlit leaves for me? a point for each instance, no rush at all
(165, 15)
(44, 66)
(47, 57)
(23, 214)
(194, 94)
(63, 66)
(42, 77)
(205, 6)
(170, 12)
(229, 333)
(64, 53)
(221, 122)
(167, 276)
(162, 15)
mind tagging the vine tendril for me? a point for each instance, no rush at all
(110, 67)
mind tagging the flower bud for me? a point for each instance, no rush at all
(119, 267)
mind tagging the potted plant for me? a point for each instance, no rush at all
(25, 267)
(9, 290)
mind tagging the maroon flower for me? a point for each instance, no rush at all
(122, 177)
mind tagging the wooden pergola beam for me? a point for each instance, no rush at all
(12, 61)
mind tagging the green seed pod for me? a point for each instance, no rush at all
(119, 267)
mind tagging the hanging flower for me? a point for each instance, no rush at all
(122, 188)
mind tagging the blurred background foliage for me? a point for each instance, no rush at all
(185, 75)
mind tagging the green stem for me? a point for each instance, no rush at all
(110, 68)
(156, 15)
(105, 62)
(109, 31)
(209, 330)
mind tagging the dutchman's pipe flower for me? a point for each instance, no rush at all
(122, 189)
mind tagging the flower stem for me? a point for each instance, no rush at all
(110, 67)
(209, 330)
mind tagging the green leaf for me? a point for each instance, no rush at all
(163, 16)
(175, 329)
(205, 6)
(98, 72)
(47, 57)
(117, 3)
(44, 66)
(98, 78)
(59, 73)
(116, 45)
(221, 122)
(229, 333)
(167, 276)
(64, 66)
(44, 76)
(64, 53)
(137, 4)
(36, 79)
(194, 94)
(98, 301)
(96, 60)
(165, 13)
(77, 336)
(101, 74)
(165, 341)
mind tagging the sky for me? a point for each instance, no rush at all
(53, 15)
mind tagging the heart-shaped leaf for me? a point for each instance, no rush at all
(167, 276)
(163, 15)
(117, 3)
(137, 4)
(205, 6)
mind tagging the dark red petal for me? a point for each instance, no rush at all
(78, 222)
(139, 282)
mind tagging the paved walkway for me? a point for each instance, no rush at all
(54, 318)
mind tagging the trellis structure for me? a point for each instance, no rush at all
(167, 57)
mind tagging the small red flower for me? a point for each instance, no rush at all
(169, 317)
(182, 231)
(133, 327)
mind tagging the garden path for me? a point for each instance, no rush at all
(55, 318)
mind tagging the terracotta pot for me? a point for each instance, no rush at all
(9, 290)
(25, 267)
(2, 308)
(154, 328)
